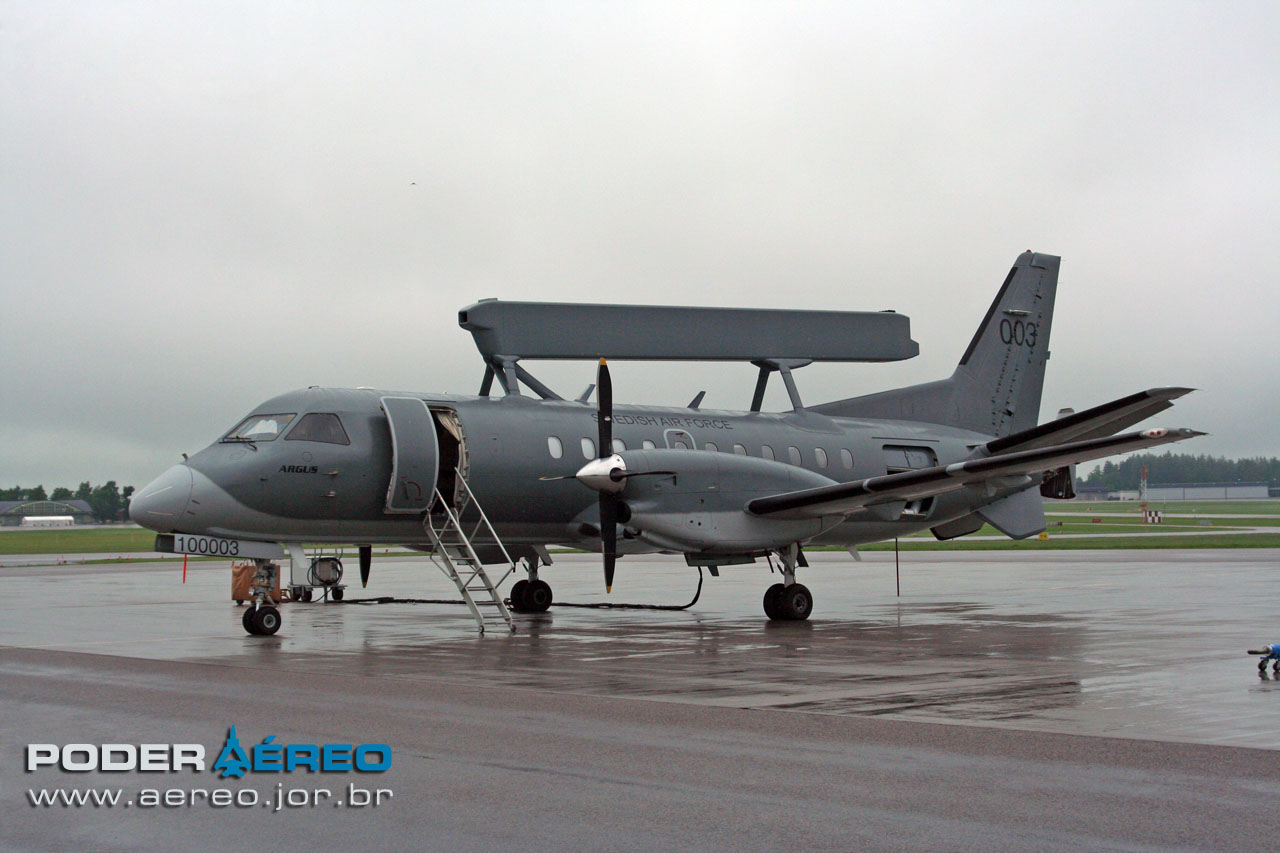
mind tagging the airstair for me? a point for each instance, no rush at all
(454, 551)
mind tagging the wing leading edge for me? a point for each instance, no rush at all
(845, 498)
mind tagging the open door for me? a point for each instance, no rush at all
(452, 448)
(415, 455)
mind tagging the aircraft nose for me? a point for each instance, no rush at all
(160, 504)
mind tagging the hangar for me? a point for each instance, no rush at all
(13, 513)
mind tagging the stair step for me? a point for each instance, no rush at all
(457, 558)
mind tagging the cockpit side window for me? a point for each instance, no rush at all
(319, 426)
(259, 428)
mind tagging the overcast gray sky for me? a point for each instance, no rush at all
(203, 205)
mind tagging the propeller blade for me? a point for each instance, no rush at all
(608, 536)
(366, 560)
(608, 501)
(604, 406)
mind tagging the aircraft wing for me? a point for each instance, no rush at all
(1107, 419)
(844, 498)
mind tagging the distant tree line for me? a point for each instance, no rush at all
(107, 501)
(1172, 467)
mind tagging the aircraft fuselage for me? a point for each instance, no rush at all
(287, 490)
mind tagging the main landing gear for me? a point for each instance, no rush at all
(531, 595)
(788, 601)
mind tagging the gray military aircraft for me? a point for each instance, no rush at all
(493, 479)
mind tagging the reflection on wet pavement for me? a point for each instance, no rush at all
(1146, 644)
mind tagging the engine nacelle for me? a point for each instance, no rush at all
(701, 507)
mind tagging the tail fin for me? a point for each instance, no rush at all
(996, 387)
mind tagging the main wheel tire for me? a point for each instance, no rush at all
(267, 621)
(771, 597)
(249, 621)
(307, 594)
(336, 594)
(796, 602)
(538, 597)
(518, 596)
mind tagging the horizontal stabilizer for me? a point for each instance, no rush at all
(999, 471)
(1107, 419)
(1018, 516)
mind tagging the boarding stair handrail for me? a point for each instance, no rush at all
(466, 557)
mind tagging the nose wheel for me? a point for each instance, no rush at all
(261, 621)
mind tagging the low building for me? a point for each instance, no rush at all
(13, 513)
(1180, 492)
(1207, 491)
(1101, 493)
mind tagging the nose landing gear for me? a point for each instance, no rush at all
(261, 619)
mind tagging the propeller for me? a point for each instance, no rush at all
(608, 475)
(366, 560)
(608, 498)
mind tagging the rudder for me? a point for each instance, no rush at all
(996, 387)
(1000, 377)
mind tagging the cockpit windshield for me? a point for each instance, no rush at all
(259, 428)
(319, 426)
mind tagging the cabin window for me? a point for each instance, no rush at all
(259, 428)
(711, 446)
(554, 447)
(793, 453)
(588, 449)
(766, 452)
(846, 459)
(680, 445)
(740, 450)
(619, 445)
(319, 426)
(648, 445)
(821, 456)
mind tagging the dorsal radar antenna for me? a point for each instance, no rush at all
(774, 340)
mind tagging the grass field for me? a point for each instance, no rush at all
(1209, 540)
(123, 540)
(1259, 507)
(1128, 527)
(1209, 530)
(1198, 521)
